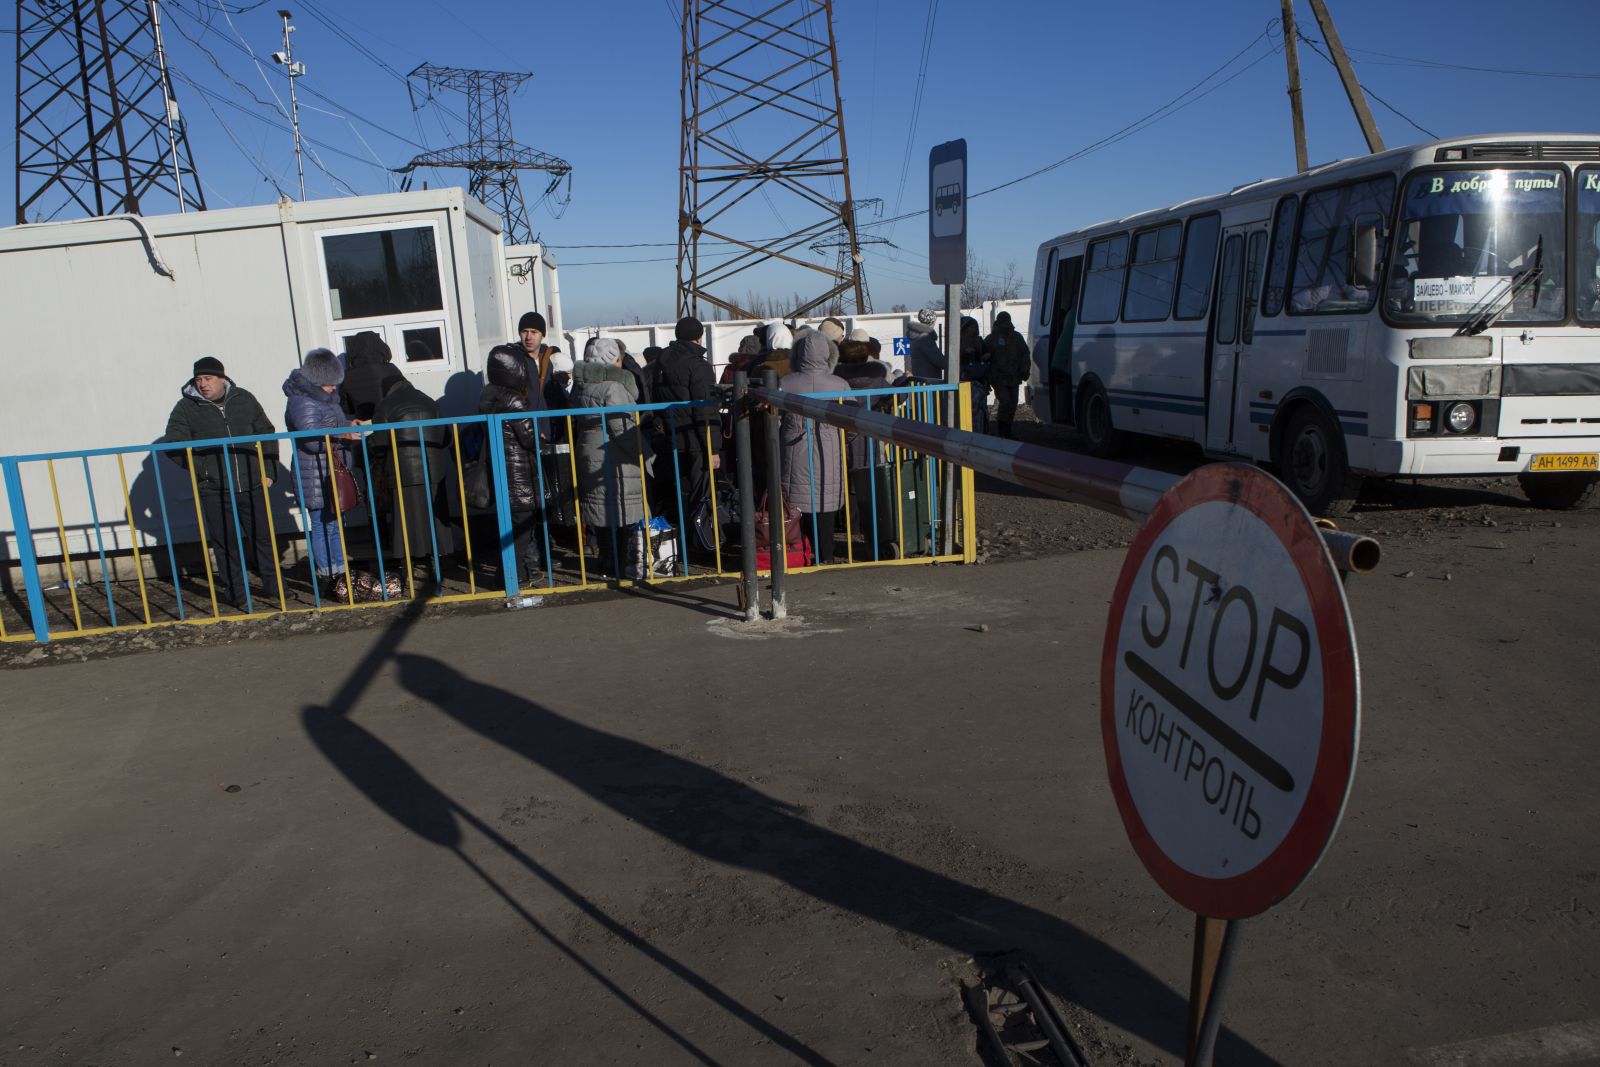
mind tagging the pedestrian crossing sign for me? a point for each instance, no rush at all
(902, 346)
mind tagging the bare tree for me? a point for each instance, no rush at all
(983, 285)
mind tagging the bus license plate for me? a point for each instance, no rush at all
(1565, 461)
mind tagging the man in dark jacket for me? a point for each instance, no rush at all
(530, 337)
(233, 480)
(682, 374)
(422, 464)
(1007, 352)
(368, 372)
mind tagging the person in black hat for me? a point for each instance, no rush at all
(232, 480)
(683, 374)
(1009, 363)
(531, 333)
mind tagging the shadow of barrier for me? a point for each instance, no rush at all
(477, 507)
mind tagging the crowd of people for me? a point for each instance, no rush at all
(606, 472)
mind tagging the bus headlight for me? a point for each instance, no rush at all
(1461, 417)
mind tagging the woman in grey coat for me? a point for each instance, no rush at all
(813, 462)
(608, 448)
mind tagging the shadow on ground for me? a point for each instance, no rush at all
(724, 820)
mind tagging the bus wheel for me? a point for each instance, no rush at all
(1094, 421)
(1561, 491)
(1313, 466)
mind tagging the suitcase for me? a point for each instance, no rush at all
(796, 556)
(915, 502)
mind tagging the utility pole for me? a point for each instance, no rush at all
(491, 155)
(98, 126)
(169, 106)
(763, 124)
(1291, 53)
(294, 70)
(1352, 87)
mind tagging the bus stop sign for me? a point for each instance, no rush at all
(947, 213)
(1230, 693)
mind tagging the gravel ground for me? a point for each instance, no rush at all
(1015, 523)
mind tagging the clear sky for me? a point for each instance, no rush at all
(1026, 82)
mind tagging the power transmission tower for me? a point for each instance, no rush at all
(491, 154)
(762, 122)
(849, 254)
(98, 126)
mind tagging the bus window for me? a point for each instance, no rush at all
(1152, 274)
(1199, 259)
(1588, 248)
(1102, 283)
(1322, 255)
(1227, 323)
(1466, 236)
(1049, 272)
(1252, 283)
(1278, 264)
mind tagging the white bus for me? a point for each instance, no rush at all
(1432, 310)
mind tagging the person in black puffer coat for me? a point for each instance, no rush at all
(368, 373)
(415, 493)
(508, 390)
(683, 374)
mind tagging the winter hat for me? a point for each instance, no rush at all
(208, 365)
(914, 328)
(531, 321)
(322, 367)
(604, 350)
(852, 351)
(858, 334)
(832, 329)
(368, 347)
(560, 361)
(1004, 316)
(689, 329)
(779, 338)
(750, 345)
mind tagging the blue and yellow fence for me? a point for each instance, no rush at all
(128, 575)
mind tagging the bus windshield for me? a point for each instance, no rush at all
(1587, 251)
(1467, 236)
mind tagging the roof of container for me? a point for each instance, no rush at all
(334, 209)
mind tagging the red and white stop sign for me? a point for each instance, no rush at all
(1230, 693)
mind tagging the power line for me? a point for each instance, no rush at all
(1435, 64)
(916, 99)
(1313, 45)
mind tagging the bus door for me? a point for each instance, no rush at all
(1057, 369)
(1244, 251)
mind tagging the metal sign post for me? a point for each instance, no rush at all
(947, 266)
(1230, 707)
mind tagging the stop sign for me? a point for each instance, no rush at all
(1229, 693)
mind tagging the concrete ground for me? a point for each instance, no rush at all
(629, 832)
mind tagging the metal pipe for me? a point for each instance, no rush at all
(1119, 488)
(1206, 1041)
(777, 535)
(747, 493)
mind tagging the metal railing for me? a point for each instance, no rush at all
(449, 551)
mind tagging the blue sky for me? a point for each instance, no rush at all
(1026, 82)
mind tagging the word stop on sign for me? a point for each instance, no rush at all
(1229, 688)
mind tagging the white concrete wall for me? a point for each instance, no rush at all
(722, 338)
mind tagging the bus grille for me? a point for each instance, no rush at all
(1519, 150)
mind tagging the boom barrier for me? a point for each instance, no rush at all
(1118, 488)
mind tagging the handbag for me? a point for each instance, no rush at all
(344, 484)
(476, 481)
(792, 537)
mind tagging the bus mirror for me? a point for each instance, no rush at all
(1364, 253)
